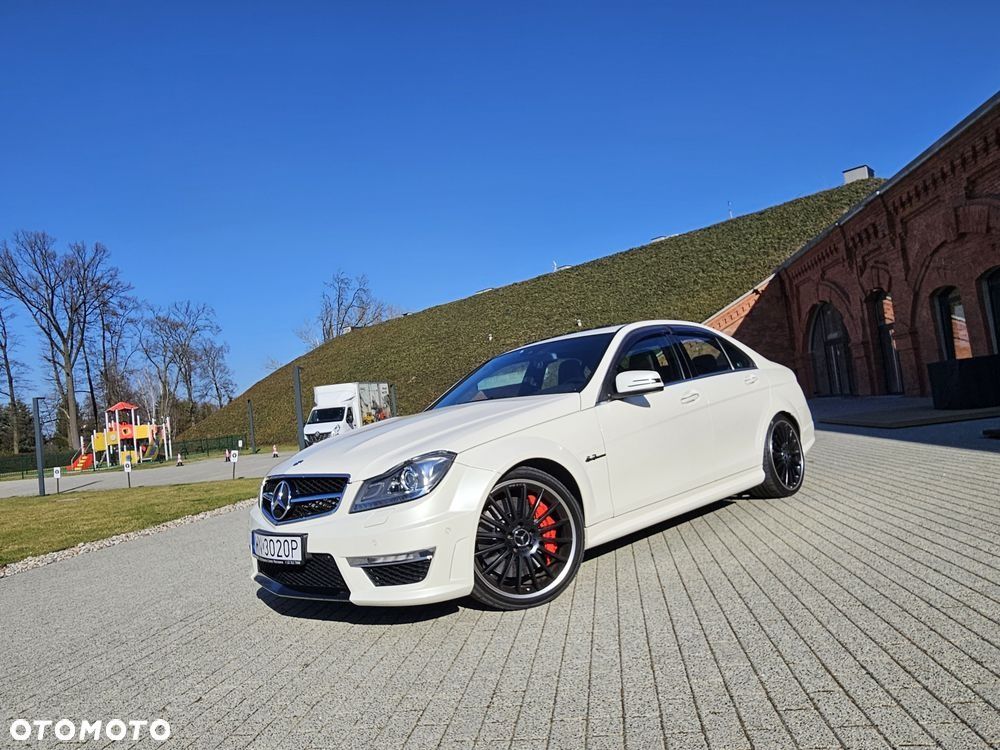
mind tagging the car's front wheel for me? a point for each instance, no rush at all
(784, 460)
(529, 541)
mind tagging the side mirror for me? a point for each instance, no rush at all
(634, 382)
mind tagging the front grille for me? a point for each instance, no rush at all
(316, 437)
(398, 574)
(305, 486)
(311, 496)
(312, 508)
(319, 574)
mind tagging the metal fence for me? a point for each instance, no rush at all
(207, 446)
(23, 464)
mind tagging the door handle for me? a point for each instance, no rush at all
(690, 397)
(750, 379)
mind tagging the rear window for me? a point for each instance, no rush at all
(704, 353)
(740, 359)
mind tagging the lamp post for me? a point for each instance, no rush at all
(39, 450)
(298, 407)
(253, 438)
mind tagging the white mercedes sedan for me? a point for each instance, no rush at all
(501, 484)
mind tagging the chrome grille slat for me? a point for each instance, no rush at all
(311, 496)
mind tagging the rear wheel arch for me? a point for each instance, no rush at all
(784, 462)
(791, 418)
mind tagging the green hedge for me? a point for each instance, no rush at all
(687, 277)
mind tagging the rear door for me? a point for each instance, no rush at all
(659, 444)
(739, 396)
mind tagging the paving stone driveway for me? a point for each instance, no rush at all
(865, 612)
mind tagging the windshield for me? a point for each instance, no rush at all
(562, 366)
(334, 414)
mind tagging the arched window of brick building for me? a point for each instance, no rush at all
(830, 346)
(953, 332)
(884, 317)
(991, 295)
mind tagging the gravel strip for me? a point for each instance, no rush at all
(29, 563)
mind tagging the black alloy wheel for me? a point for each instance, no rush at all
(529, 541)
(784, 460)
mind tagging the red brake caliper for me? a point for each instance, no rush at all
(540, 510)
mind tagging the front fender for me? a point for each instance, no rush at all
(568, 442)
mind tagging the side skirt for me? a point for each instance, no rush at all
(642, 518)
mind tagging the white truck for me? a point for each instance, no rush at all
(341, 407)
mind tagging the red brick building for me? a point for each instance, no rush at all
(909, 276)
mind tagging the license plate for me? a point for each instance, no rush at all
(280, 548)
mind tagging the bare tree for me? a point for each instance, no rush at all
(156, 343)
(60, 292)
(10, 367)
(119, 334)
(108, 347)
(147, 390)
(346, 303)
(271, 364)
(174, 341)
(190, 323)
(218, 378)
(308, 333)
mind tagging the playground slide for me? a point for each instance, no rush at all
(80, 463)
(153, 452)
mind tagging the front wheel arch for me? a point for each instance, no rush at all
(557, 470)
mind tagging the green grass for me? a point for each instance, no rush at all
(36, 525)
(688, 277)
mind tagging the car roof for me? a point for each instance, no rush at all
(578, 334)
(613, 329)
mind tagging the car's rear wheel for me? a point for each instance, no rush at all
(529, 541)
(784, 460)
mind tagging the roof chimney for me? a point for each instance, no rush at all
(854, 174)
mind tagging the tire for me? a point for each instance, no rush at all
(784, 460)
(529, 541)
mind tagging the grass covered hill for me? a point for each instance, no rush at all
(688, 276)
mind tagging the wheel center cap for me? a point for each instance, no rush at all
(521, 537)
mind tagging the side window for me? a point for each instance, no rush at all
(652, 352)
(704, 353)
(739, 358)
(350, 416)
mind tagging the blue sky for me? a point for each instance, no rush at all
(240, 153)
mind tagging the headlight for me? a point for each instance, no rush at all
(406, 482)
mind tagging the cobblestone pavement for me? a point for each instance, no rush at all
(863, 613)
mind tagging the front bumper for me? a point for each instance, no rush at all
(444, 522)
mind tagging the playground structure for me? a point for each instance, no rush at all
(124, 439)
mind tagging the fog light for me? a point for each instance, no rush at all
(403, 557)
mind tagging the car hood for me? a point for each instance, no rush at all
(376, 448)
